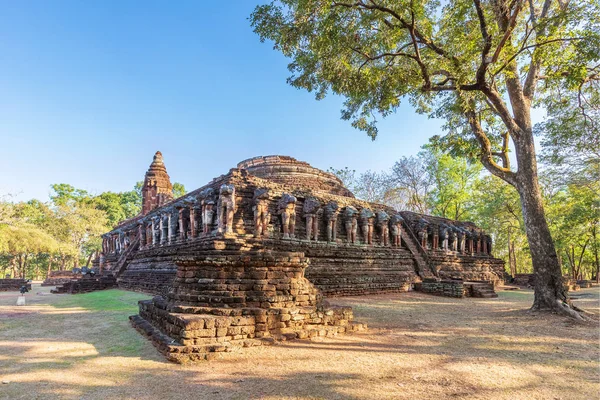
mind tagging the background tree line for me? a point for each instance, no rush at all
(437, 183)
(37, 237)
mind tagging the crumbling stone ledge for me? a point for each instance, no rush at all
(204, 333)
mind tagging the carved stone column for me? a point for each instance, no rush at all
(141, 233)
(161, 226)
(192, 222)
(226, 207)
(396, 223)
(287, 210)
(148, 237)
(169, 227)
(331, 214)
(153, 222)
(311, 209)
(366, 221)
(383, 222)
(261, 212)
(181, 224)
(350, 222)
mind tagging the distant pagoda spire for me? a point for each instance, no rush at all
(157, 189)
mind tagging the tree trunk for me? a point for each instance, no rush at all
(49, 266)
(549, 292)
(87, 264)
(596, 254)
(25, 266)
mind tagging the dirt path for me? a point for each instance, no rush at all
(417, 347)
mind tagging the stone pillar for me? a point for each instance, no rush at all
(331, 213)
(181, 224)
(149, 234)
(153, 231)
(141, 234)
(169, 227)
(192, 222)
(161, 226)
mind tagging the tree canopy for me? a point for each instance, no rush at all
(479, 66)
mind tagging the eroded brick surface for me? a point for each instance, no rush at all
(247, 258)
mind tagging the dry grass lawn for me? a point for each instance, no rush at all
(417, 347)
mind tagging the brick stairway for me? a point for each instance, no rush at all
(412, 244)
(482, 289)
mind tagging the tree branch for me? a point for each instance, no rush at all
(534, 66)
(486, 155)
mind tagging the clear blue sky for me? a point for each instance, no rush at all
(90, 90)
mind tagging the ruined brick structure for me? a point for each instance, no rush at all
(56, 278)
(157, 189)
(13, 285)
(248, 257)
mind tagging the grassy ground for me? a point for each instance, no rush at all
(417, 347)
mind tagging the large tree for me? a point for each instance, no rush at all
(480, 65)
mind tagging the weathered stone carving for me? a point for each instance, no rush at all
(256, 288)
(207, 209)
(471, 242)
(444, 234)
(432, 232)
(191, 232)
(311, 210)
(351, 223)
(141, 232)
(155, 230)
(287, 210)
(180, 222)
(454, 238)
(260, 207)
(331, 214)
(462, 237)
(169, 226)
(226, 209)
(396, 223)
(366, 221)
(423, 232)
(488, 240)
(382, 221)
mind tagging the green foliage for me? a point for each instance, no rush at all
(377, 53)
(453, 180)
(574, 214)
(36, 237)
(438, 184)
(118, 206)
(178, 190)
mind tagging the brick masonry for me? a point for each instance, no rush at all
(264, 243)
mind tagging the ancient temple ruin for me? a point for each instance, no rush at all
(248, 257)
